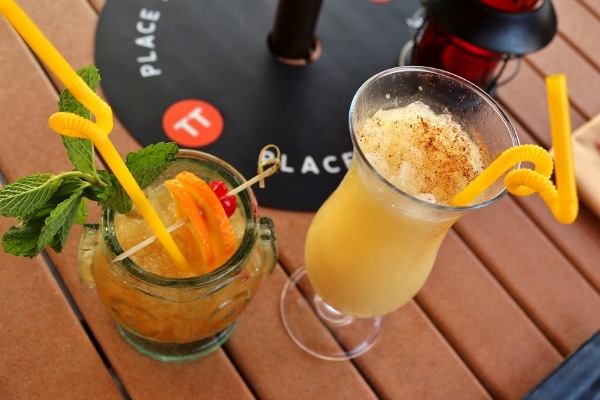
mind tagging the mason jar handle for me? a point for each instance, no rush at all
(85, 253)
(268, 241)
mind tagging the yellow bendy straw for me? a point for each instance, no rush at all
(560, 199)
(76, 126)
(560, 125)
(42, 47)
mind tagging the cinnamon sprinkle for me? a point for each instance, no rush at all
(421, 152)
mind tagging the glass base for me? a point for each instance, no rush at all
(304, 315)
(176, 352)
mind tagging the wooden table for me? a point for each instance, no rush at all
(512, 294)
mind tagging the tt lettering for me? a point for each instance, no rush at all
(187, 123)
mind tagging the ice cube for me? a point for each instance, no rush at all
(426, 197)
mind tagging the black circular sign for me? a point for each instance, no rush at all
(155, 54)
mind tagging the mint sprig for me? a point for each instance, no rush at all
(47, 205)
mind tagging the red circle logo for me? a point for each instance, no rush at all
(192, 123)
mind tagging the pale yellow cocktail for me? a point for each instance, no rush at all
(379, 253)
(419, 135)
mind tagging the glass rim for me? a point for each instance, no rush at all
(450, 76)
(243, 250)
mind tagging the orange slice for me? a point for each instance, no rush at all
(186, 208)
(213, 214)
(209, 222)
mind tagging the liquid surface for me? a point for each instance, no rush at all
(427, 155)
(132, 229)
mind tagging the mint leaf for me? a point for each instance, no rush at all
(81, 154)
(80, 150)
(145, 165)
(115, 197)
(26, 195)
(91, 75)
(48, 205)
(22, 240)
(82, 213)
(68, 184)
(59, 222)
(68, 187)
(148, 163)
(68, 103)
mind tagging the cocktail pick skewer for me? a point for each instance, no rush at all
(272, 164)
(148, 241)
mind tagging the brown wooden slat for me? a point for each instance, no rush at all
(97, 4)
(553, 293)
(592, 5)
(525, 100)
(579, 27)
(410, 350)
(582, 77)
(496, 331)
(69, 26)
(578, 241)
(275, 367)
(42, 344)
(412, 360)
(76, 45)
(489, 331)
(34, 141)
(291, 227)
(25, 134)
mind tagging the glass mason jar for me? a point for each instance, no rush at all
(177, 319)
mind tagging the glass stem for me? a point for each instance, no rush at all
(330, 314)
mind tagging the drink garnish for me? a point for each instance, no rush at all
(228, 202)
(48, 205)
(267, 166)
(208, 223)
(73, 125)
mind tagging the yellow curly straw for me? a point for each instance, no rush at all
(560, 124)
(73, 125)
(560, 199)
(42, 47)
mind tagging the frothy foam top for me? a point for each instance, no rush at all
(426, 155)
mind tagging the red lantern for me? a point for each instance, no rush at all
(475, 38)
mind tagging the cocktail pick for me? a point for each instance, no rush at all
(73, 125)
(561, 199)
(266, 168)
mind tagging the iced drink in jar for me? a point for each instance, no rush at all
(163, 311)
(366, 254)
